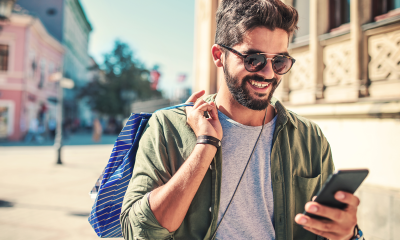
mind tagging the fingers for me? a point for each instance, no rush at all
(326, 235)
(348, 198)
(198, 103)
(209, 107)
(335, 214)
(341, 225)
(214, 111)
(193, 98)
(201, 107)
(323, 211)
(323, 225)
(205, 107)
(201, 123)
(317, 225)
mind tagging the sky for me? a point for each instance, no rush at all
(158, 31)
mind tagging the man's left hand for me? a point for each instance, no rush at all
(342, 223)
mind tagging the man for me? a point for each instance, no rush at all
(183, 190)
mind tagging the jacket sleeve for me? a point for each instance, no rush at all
(151, 170)
(328, 166)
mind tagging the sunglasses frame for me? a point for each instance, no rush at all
(243, 56)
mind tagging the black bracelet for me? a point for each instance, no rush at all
(204, 139)
(358, 234)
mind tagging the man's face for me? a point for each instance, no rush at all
(255, 89)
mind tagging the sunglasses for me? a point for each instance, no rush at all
(255, 62)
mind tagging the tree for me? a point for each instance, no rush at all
(126, 80)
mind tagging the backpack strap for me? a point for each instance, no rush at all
(189, 104)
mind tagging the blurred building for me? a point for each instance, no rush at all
(67, 22)
(150, 106)
(347, 79)
(180, 95)
(28, 56)
(94, 74)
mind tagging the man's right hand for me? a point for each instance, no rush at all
(198, 122)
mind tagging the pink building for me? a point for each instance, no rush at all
(28, 56)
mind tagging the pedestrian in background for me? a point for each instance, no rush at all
(52, 124)
(97, 130)
(33, 131)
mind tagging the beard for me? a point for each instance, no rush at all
(242, 95)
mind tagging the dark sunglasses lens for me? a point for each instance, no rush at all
(254, 63)
(282, 65)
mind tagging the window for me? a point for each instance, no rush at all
(50, 71)
(42, 73)
(32, 64)
(303, 8)
(339, 13)
(381, 7)
(3, 57)
(51, 11)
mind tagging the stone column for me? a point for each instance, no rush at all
(220, 71)
(282, 93)
(366, 18)
(205, 72)
(356, 35)
(319, 23)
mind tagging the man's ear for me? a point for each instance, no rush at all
(217, 55)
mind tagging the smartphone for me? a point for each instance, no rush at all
(342, 180)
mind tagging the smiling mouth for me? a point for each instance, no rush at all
(259, 84)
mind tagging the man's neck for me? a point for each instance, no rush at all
(241, 114)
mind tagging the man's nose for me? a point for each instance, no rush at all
(267, 72)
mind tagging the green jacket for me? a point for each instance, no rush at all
(301, 160)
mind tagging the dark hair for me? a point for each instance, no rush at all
(236, 17)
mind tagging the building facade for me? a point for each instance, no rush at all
(346, 79)
(66, 21)
(28, 56)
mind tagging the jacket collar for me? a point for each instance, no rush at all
(283, 113)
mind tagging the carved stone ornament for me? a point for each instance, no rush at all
(300, 73)
(384, 50)
(337, 60)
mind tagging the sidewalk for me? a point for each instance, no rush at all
(40, 200)
(73, 139)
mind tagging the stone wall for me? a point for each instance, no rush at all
(379, 212)
(366, 135)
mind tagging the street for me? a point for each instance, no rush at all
(40, 200)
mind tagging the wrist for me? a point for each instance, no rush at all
(206, 133)
(209, 140)
(206, 147)
(206, 152)
(357, 234)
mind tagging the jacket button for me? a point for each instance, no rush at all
(209, 209)
(277, 177)
(210, 167)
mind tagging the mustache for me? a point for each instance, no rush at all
(258, 78)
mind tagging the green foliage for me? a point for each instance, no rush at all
(125, 81)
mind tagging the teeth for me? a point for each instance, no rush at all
(258, 84)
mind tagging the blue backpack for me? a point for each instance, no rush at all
(110, 188)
